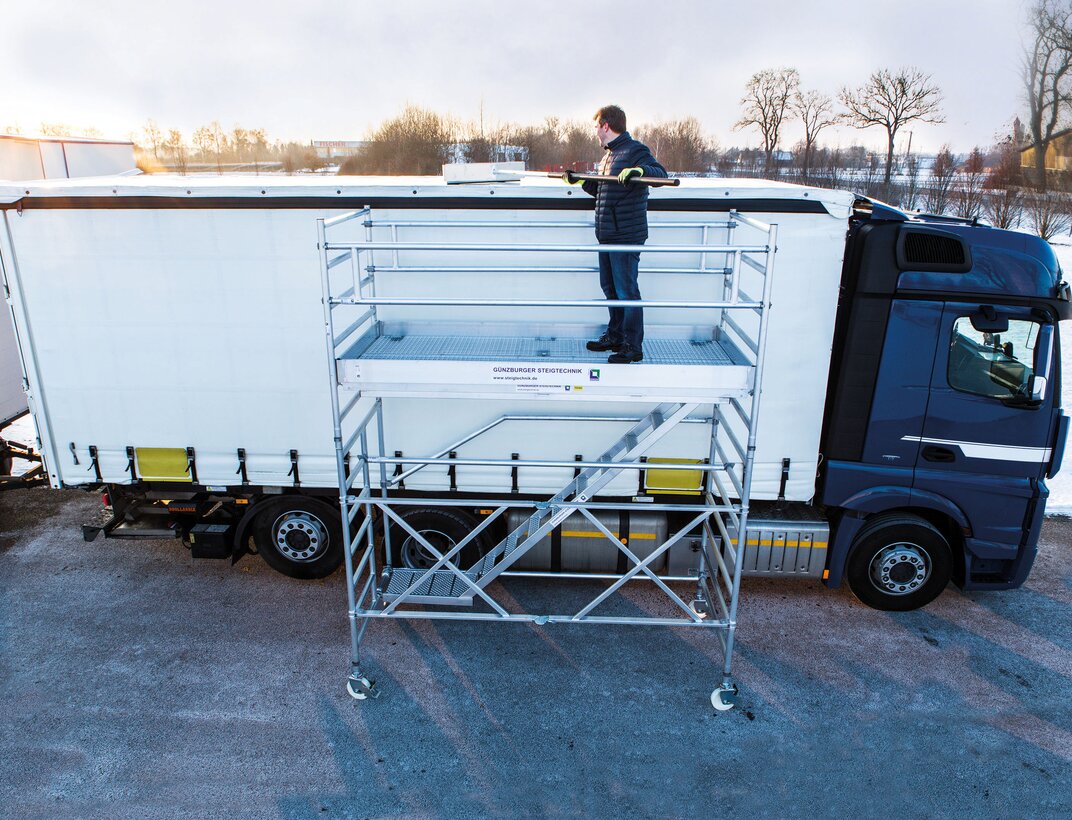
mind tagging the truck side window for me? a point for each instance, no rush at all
(995, 365)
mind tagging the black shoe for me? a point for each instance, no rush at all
(625, 355)
(603, 344)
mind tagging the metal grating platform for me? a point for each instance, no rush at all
(441, 587)
(510, 348)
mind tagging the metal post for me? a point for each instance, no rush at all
(749, 463)
(372, 261)
(356, 678)
(383, 473)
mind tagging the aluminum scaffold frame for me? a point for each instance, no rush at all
(447, 590)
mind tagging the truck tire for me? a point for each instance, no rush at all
(899, 562)
(443, 527)
(6, 462)
(300, 537)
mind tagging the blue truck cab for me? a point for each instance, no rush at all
(943, 417)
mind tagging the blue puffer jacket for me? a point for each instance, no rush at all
(622, 210)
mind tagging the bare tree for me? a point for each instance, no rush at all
(679, 145)
(1047, 64)
(1004, 197)
(936, 199)
(258, 141)
(765, 101)
(892, 99)
(62, 129)
(910, 193)
(176, 147)
(240, 143)
(968, 193)
(816, 112)
(417, 141)
(153, 138)
(203, 142)
(219, 143)
(1048, 212)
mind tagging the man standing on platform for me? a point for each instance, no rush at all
(621, 219)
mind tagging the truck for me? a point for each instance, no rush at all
(26, 157)
(390, 373)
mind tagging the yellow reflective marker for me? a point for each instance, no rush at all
(673, 482)
(162, 464)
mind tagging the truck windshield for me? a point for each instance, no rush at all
(995, 365)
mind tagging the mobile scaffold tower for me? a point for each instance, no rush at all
(677, 382)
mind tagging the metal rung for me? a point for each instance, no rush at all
(440, 587)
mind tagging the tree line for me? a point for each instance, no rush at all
(212, 147)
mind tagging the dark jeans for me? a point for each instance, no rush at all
(618, 278)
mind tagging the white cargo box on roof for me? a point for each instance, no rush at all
(166, 311)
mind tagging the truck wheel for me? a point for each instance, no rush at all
(300, 537)
(6, 462)
(443, 527)
(899, 562)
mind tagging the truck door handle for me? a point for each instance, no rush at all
(942, 455)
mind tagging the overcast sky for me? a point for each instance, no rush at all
(309, 69)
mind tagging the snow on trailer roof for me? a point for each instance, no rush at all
(266, 187)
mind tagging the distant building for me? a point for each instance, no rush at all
(24, 157)
(337, 149)
(1058, 154)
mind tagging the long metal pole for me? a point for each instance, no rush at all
(579, 247)
(580, 303)
(749, 464)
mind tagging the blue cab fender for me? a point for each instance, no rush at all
(874, 500)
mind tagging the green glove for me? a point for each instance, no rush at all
(572, 178)
(623, 177)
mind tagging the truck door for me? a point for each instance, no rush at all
(989, 426)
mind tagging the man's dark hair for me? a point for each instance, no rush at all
(613, 116)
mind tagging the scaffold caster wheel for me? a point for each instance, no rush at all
(700, 608)
(724, 698)
(361, 688)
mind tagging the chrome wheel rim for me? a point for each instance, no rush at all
(300, 536)
(900, 569)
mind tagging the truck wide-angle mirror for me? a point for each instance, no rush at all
(1036, 387)
(987, 320)
(1044, 353)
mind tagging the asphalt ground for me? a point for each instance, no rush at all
(136, 682)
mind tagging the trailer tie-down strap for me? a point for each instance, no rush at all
(242, 465)
(294, 467)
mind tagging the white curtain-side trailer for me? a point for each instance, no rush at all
(23, 157)
(391, 373)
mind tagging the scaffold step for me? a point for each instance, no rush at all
(585, 485)
(441, 587)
